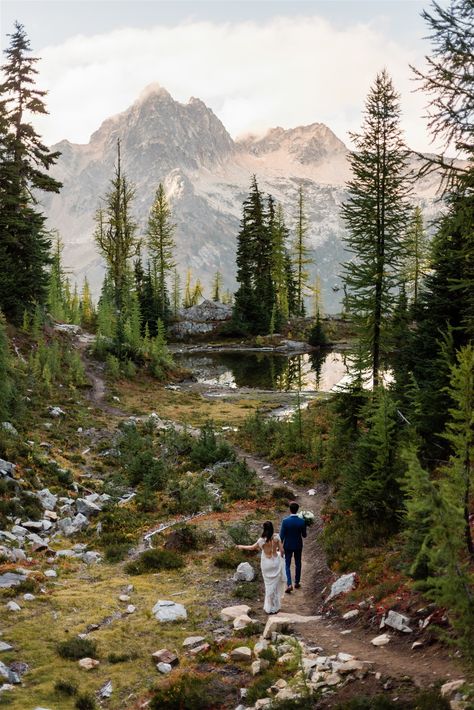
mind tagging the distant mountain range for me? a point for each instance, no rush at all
(206, 175)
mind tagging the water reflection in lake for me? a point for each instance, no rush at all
(318, 371)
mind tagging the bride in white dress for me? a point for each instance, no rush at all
(273, 566)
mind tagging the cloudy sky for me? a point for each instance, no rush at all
(256, 64)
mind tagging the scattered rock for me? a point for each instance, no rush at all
(278, 620)
(56, 412)
(6, 468)
(262, 703)
(164, 667)
(124, 598)
(11, 579)
(242, 621)
(106, 690)
(50, 573)
(451, 687)
(351, 614)
(91, 557)
(131, 609)
(9, 428)
(396, 621)
(5, 646)
(165, 610)
(29, 597)
(260, 646)
(344, 584)
(350, 667)
(192, 641)
(258, 666)
(47, 499)
(88, 664)
(13, 606)
(244, 573)
(232, 612)
(87, 507)
(165, 656)
(381, 640)
(242, 653)
(202, 648)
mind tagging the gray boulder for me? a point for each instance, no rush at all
(47, 499)
(79, 522)
(396, 621)
(6, 468)
(9, 428)
(244, 573)
(56, 411)
(91, 557)
(11, 579)
(344, 584)
(165, 610)
(87, 507)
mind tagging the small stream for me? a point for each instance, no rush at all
(319, 371)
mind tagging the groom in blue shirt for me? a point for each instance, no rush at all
(292, 532)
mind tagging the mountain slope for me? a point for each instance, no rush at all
(206, 176)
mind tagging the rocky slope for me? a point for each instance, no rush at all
(206, 174)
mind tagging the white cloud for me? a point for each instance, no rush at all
(287, 71)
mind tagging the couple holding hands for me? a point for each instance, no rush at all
(278, 551)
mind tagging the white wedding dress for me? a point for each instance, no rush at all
(273, 571)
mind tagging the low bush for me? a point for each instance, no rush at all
(247, 590)
(77, 648)
(153, 560)
(283, 493)
(253, 629)
(189, 692)
(183, 539)
(121, 657)
(258, 689)
(116, 553)
(85, 701)
(238, 481)
(229, 558)
(208, 448)
(66, 687)
(239, 533)
(189, 495)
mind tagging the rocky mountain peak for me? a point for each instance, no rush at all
(307, 144)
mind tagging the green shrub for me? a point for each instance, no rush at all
(239, 533)
(258, 689)
(183, 539)
(153, 560)
(116, 553)
(317, 335)
(283, 493)
(229, 558)
(121, 657)
(208, 449)
(189, 495)
(238, 481)
(113, 367)
(247, 590)
(253, 629)
(77, 648)
(66, 687)
(189, 692)
(85, 701)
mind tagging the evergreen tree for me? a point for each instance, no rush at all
(188, 291)
(301, 257)
(376, 217)
(317, 297)
(116, 239)
(176, 293)
(161, 246)
(279, 259)
(87, 307)
(416, 255)
(217, 286)
(6, 382)
(56, 296)
(25, 160)
(197, 293)
(371, 487)
(255, 296)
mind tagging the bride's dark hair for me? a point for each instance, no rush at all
(267, 530)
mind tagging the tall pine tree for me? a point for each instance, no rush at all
(24, 165)
(376, 216)
(161, 246)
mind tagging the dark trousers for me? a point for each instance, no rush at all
(288, 556)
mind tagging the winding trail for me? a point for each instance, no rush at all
(425, 665)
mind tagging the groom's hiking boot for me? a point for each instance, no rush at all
(297, 585)
(288, 590)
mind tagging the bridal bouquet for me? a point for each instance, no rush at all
(307, 516)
